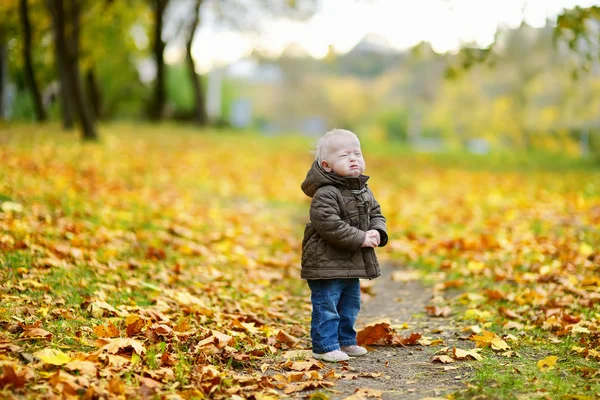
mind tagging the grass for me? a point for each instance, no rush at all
(506, 378)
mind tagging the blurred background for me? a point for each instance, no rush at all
(434, 75)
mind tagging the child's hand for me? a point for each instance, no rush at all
(374, 234)
(370, 240)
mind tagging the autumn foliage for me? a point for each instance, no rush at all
(161, 262)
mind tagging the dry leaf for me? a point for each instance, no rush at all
(10, 378)
(368, 393)
(106, 331)
(547, 363)
(36, 333)
(52, 356)
(490, 339)
(378, 334)
(442, 359)
(84, 367)
(439, 311)
(114, 346)
(298, 387)
(304, 365)
(286, 339)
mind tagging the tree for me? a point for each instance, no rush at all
(200, 115)
(158, 47)
(66, 27)
(580, 28)
(28, 63)
(3, 72)
(240, 15)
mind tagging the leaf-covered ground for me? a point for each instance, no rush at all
(166, 260)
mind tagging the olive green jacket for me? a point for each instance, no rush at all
(341, 211)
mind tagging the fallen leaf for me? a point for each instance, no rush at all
(367, 392)
(547, 363)
(490, 339)
(135, 325)
(116, 386)
(10, 378)
(381, 334)
(512, 325)
(438, 311)
(106, 331)
(36, 333)
(52, 356)
(406, 340)
(286, 339)
(442, 359)
(300, 386)
(114, 346)
(84, 367)
(461, 354)
(304, 365)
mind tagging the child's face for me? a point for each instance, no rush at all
(344, 156)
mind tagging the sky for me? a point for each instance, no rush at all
(403, 23)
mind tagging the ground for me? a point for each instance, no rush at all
(407, 372)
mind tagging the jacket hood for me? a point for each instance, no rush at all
(317, 177)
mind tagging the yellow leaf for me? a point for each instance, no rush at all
(585, 249)
(547, 363)
(52, 356)
(135, 358)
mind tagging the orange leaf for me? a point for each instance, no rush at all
(116, 386)
(106, 331)
(493, 294)
(10, 378)
(286, 339)
(136, 325)
(490, 339)
(406, 341)
(378, 334)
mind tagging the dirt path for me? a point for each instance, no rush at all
(407, 372)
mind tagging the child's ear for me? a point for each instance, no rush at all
(325, 166)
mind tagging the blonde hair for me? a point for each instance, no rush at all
(322, 145)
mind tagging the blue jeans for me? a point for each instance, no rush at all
(335, 306)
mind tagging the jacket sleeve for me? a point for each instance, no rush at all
(378, 221)
(325, 218)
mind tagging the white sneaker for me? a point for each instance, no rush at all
(354, 350)
(332, 356)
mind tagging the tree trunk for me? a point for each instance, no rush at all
(66, 102)
(93, 92)
(3, 77)
(200, 115)
(158, 102)
(40, 113)
(68, 51)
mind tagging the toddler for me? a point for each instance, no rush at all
(345, 226)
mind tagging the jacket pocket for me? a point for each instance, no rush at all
(337, 253)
